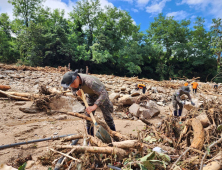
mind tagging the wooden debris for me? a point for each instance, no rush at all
(5, 94)
(68, 138)
(198, 140)
(70, 157)
(216, 165)
(203, 159)
(105, 150)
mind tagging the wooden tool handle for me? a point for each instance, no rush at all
(86, 104)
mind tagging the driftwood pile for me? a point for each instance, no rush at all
(190, 142)
(45, 69)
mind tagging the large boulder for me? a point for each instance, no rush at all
(134, 109)
(151, 109)
(135, 93)
(127, 100)
(114, 96)
(161, 90)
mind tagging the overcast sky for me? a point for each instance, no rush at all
(144, 11)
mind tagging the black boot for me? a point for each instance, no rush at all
(90, 131)
(175, 112)
(113, 128)
(180, 112)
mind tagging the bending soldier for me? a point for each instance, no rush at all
(177, 101)
(141, 86)
(98, 96)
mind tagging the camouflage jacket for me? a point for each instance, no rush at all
(180, 93)
(93, 86)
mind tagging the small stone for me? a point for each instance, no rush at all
(160, 103)
(36, 82)
(61, 117)
(20, 103)
(29, 164)
(59, 128)
(135, 118)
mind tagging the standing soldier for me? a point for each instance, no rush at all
(194, 84)
(186, 84)
(141, 86)
(98, 96)
(177, 101)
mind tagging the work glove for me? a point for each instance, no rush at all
(182, 102)
(192, 103)
(64, 88)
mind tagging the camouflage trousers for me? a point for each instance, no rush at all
(175, 103)
(106, 108)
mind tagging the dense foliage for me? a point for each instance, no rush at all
(108, 42)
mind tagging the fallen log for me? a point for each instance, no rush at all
(128, 144)
(97, 142)
(198, 129)
(4, 87)
(114, 134)
(5, 94)
(28, 95)
(105, 150)
(72, 137)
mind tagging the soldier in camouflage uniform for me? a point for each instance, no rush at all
(97, 95)
(177, 101)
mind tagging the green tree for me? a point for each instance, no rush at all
(8, 48)
(117, 42)
(25, 9)
(172, 36)
(87, 13)
(200, 54)
(217, 40)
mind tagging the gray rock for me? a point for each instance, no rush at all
(42, 79)
(58, 127)
(127, 100)
(154, 90)
(2, 76)
(117, 90)
(123, 88)
(150, 111)
(135, 93)
(134, 109)
(29, 164)
(160, 103)
(161, 90)
(36, 82)
(114, 96)
(20, 103)
(61, 117)
(8, 72)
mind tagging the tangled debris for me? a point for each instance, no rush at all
(189, 142)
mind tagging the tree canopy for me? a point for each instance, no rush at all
(107, 40)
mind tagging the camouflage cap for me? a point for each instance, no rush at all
(185, 89)
(68, 78)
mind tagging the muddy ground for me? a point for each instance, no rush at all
(16, 126)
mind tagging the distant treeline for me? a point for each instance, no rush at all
(108, 42)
